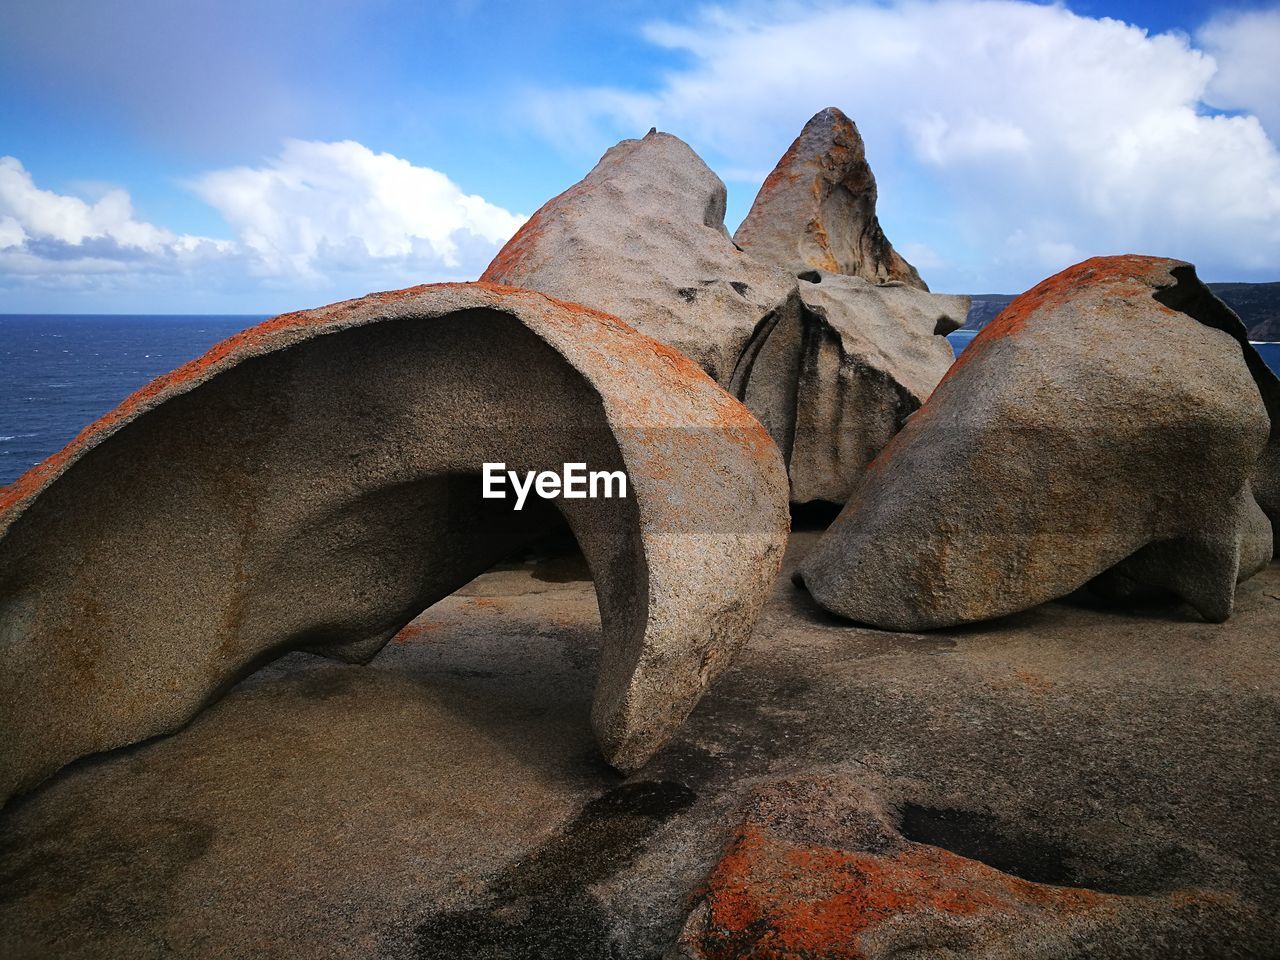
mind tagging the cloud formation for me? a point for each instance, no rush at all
(1245, 45)
(1028, 136)
(1010, 138)
(335, 218)
(46, 232)
(324, 207)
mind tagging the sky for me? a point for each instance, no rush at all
(244, 156)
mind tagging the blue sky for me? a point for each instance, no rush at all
(257, 157)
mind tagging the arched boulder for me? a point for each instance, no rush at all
(315, 482)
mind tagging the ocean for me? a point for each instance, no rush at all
(60, 373)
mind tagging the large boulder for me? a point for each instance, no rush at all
(830, 364)
(1105, 417)
(817, 209)
(642, 237)
(315, 482)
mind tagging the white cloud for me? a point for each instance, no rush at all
(336, 219)
(11, 233)
(1007, 135)
(33, 215)
(321, 207)
(1246, 47)
(43, 231)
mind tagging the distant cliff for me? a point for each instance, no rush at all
(1257, 303)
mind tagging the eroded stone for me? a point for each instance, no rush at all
(1097, 416)
(314, 483)
(642, 237)
(858, 360)
(830, 364)
(817, 209)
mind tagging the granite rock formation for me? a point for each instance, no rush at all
(1105, 417)
(642, 237)
(834, 384)
(314, 483)
(817, 209)
(819, 868)
(830, 370)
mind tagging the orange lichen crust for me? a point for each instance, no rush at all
(415, 632)
(795, 164)
(769, 898)
(786, 172)
(516, 254)
(1129, 275)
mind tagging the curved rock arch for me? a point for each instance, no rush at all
(312, 483)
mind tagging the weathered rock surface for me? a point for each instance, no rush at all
(642, 237)
(1266, 479)
(314, 483)
(819, 868)
(1203, 302)
(1104, 412)
(856, 363)
(448, 801)
(830, 370)
(817, 209)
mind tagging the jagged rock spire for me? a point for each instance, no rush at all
(817, 209)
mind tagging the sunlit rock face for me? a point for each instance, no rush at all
(1108, 422)
(817, 209)
(642, 236)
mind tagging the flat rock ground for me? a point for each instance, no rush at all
(449, 794)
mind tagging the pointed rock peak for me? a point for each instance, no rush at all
(817, 209)
(657, 177)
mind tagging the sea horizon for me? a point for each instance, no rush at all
(54, 383)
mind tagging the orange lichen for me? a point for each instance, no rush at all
(784, 171)
(769, 897)
(515, 255)
(415, 632)
(1128, 275)
(516, 251)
